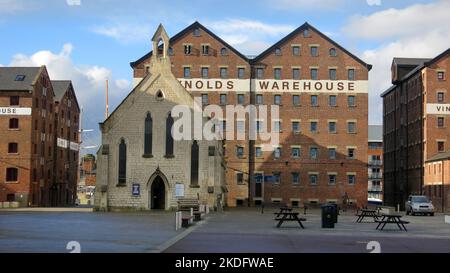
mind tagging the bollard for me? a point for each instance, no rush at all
(176, 221)
(192, 216)
(207, 209)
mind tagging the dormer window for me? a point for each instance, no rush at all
(20, 78)
(278, 51)
(196, 32)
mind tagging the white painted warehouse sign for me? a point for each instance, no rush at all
(15, 111)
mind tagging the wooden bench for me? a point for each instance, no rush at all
(185, 204)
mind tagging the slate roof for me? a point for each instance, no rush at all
(60, 88)
(8, 77)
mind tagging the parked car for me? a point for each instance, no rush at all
(419, 204)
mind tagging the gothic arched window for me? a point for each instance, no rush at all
(169, 137)
(148, 135)
(122, 162)
(194, 163)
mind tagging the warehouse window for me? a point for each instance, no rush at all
(14, 100)
(441, 75)
(313, 153)
(239, 151)
(205, 99)
(314, 100)
(314, 51)
(296, 74)
(259, 99)
(224, 51)
(122, 162)
(148, 135)
(313, 127)
(306, 33)
(351, 179)
(205, 49)
(296, 50)
(295, 178)
(194, 163)
(277, 73)
(277, 152)
(240, 178)
(332, 153)
(332, 127)
(223, 99)
(351, 127)
(278, 51)
(205, 71)
(332, 100)
(196, 32)
(351, 74)
(351, 101)
(332, 74)
(12, 148)
(314, 73)
(296, 100)
(187, 72)
(187, 49)
(440, 122)
(241, 72)
(11, 174)
(332, 179)
(240, 99)
(440, 96)
(333, 52)
(169, 138)
(441, 146)
(259, 73)
(351, 153)
(277, 100)
(13, 123)
(224, 72)
(313, 179)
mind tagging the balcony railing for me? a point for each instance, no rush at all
(375, 176)
(375, 162)
(375, 189)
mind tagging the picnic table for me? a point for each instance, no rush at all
(282, 210)
(392, 219)
(288, 216)
(367, 213)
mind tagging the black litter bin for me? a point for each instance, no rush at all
(327, 216)
(335, 212)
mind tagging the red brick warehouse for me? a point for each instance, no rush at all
(322, 91)
(39, 129)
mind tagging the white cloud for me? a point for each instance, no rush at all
(373, 2)
(125, 32)
(248, 36)
(123, 83)
(88, 81)
(414, 20)
(417, 31)
(11, 6)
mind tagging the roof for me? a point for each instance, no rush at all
(300, 29)
(8, 77)
(410, 61)
(425, 62)
(60, 88)
(375, 133)
(190, 28)
(439, 157)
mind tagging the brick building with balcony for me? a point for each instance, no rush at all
(375, 162)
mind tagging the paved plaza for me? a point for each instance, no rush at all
(235, 230)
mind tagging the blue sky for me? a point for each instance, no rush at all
(98, 38)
